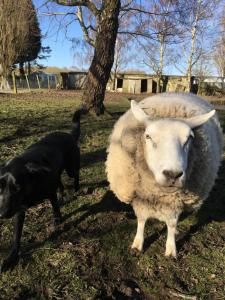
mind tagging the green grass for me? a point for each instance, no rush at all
(87, 256)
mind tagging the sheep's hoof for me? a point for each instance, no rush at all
(137, 244)
(135, 252)
(170, 252)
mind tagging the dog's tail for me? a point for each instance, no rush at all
(76, 123)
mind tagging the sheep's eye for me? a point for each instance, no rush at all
(148, 137)
(188, 140)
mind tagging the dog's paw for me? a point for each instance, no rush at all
(9, 263)
(57, 221)
(76, 187)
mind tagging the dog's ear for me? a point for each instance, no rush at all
(9, 180)
(2, 165)
(3, 182)
(33, 168)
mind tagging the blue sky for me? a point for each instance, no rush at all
(62, 54)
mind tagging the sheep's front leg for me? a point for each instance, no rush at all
(170, 242)
(139, 238)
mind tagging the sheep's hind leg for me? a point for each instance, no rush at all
(170, 242)
(139, 238)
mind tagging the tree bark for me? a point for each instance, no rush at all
(21, 68)
(4, 84)
(191, 54)
(99, 71)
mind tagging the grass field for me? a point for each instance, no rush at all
(87, 256)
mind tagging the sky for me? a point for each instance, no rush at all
(62, 53)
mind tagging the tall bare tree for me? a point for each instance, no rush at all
(121, 58)
(219, 48)
(158, 30)
(195, 16)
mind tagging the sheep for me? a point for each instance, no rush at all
(163, 158)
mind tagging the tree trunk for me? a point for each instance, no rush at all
(21, 68)
(99, 71)
(161, 63)
(4, 85)
(190, 60)
(28, 68)
(114, 81)
(158, 89)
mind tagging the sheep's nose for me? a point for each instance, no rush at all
(172, 174)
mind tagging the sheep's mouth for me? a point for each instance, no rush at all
(169, 189)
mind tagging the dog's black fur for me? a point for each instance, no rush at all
(35, 175)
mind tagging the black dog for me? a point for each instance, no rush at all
(35, 175)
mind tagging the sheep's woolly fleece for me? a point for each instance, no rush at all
(130, 178)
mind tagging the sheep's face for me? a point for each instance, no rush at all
(9, 200)
(166, 146)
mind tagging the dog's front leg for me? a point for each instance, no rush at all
(56, 210)
(13, 256)
(60, 193)
(76, 180)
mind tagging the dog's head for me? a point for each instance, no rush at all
(9, 195)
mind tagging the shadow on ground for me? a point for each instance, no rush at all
(93, 157)
(213, 209)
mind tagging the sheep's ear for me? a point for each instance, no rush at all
(138, 113)
(199, 120)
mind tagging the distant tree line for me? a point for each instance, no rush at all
(20, 36)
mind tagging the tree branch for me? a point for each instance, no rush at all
(87, 3)
(57, 13)
(84, 28)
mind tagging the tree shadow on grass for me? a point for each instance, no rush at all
(93, 157)
(25, 128)
(109, 203)
(213, 209)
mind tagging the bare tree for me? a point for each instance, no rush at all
(161, 25)
(219, 49)
(194, 18)
(121, 57)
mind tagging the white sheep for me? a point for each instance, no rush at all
(163, 158)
